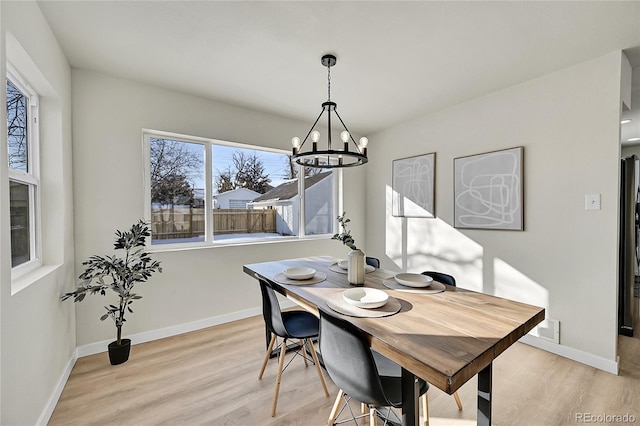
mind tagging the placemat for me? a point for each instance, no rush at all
(337, 303)
(336, 268)
(434, 287)
(317, 278)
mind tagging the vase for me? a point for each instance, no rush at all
(355, 267)
(119, 354)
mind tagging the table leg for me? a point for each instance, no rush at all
(484, 396)
(410, 395)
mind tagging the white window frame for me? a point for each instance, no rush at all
(31, 178)
(209, 239)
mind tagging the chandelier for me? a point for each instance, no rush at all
(329, 158)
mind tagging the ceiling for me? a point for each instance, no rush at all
(396, 60)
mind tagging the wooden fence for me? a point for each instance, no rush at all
(186, 222)
(243, 221)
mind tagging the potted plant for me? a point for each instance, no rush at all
(355, 260)
(119, 274)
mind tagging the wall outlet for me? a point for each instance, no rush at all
(592, 202)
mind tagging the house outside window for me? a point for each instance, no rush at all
(23, 171)
(203, 191)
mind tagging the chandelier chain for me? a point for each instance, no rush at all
(328, 82)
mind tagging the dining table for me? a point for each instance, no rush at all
(445, 337)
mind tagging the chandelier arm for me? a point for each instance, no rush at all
(329, 127)
(350, 135)
(311, 129)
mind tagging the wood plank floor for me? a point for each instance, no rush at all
(209, 377)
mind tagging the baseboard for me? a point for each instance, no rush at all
(600, 363)
(45, 416)
(147, 336)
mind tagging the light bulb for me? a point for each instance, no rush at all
(364, 142)
(315, 136)
(345, 136)
(295, 141)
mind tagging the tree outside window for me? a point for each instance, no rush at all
(22, 139)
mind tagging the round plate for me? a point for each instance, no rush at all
(413, 280)
(299, 273)
(365, 297)
(344, 264)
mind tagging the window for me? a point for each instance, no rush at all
(203, 191)
(24, 184)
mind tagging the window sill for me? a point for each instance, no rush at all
(20, 283)
(159, 248)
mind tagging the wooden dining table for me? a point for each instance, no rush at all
(444, 338)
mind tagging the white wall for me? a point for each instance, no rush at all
(566, 258)
(37, 330)
(109, 115)
(318, 208)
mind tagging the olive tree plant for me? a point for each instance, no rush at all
(118, 274)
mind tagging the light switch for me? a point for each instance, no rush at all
(592, 202)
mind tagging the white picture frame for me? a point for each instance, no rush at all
(489, 190)
(413, 184)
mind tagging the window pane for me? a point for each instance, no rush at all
(17, 128)
(255, 194)
(318, 198)
(177, 191)
(20, 233)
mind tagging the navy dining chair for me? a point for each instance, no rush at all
(359, 372)
(372, 261)
(441, 277)
(300, 325)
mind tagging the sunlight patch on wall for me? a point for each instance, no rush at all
(420, 244)
(393, 231)
(513, 284)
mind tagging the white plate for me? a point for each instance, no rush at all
(344, 264)
(299, 273)
(413, 280)
(364, 297)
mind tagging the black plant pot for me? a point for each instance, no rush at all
(119, 353)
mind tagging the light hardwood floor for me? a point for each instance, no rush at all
(209, 377)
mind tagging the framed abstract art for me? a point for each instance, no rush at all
(413, 183)
(488, 190)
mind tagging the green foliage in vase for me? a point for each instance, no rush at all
(345, 235)
(119, 274)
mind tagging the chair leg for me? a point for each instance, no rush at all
(283, 350)
(334, 410)
(267, 355)
(363, 408)
(304, 355)
(424, 399)
(455, 395)
(315, 359)
(372, 417)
